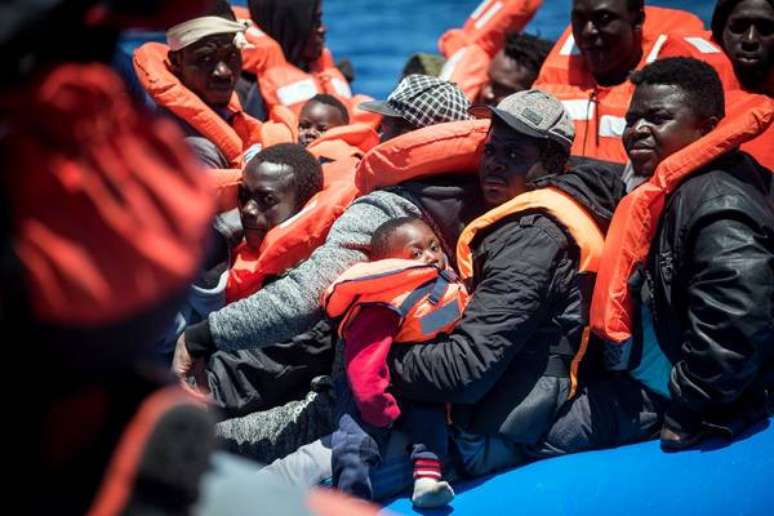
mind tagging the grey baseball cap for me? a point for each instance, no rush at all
(534, 113)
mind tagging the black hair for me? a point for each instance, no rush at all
(380, 240)
(700, 82)
(635, 6)
(527, 49)
(307, 177)
(288, 22)
(221, 8)
(330, 100)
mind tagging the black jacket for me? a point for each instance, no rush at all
(528, 300)
(711, 274)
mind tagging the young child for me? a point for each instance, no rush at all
(406, 293)
(320, 113)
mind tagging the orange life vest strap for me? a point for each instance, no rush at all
(453, 147)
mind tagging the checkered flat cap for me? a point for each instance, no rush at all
(423, 100)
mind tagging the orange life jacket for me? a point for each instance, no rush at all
(428, 301)
(342, 148)
(109, 209)
(598, 112)
(282, 83)
(232, 138)
(636, 218)
(762, 146)
(289, 243)
(453, 147)
(353, 140)
(567, 212)
(469, 50)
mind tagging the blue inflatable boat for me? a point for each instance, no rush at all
(716, 478)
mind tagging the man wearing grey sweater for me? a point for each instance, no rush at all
(289, 306)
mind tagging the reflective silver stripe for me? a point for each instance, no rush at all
(448, 68)
(297, 92)
(307, 208)
(477, 12)
(662, 38)
(488, 15)
(612, 126)
(341, 87)
(579, 109)
(569, 47)
(702, 45)
(251, 151)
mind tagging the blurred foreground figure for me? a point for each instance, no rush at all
(103, 213)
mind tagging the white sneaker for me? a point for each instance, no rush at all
(429, 492)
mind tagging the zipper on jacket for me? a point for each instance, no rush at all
(592, 99)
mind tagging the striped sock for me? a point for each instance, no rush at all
(427, 468)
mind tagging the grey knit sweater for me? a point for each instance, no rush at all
(290, 306)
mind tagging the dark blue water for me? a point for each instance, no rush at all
(379, 36)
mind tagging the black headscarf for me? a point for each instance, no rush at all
(288, 22)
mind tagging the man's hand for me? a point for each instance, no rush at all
(675, 440)
(183, 365)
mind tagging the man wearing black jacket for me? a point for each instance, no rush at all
(703, 356)
(506, 366)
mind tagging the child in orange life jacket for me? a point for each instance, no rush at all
(320, 113)
(276, 184)
(406, 293)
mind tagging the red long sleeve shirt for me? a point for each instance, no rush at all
(367, 342)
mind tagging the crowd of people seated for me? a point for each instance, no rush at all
(528, 249)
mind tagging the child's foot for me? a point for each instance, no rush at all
(429, 492)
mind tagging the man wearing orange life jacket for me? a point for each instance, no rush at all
(475, 53)
(285, 214)
(540, 243)
(289, 306)
(743, 29)
(272, 376)
(687, 282)
(588, 67)
(193, 78)
(276, 375)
